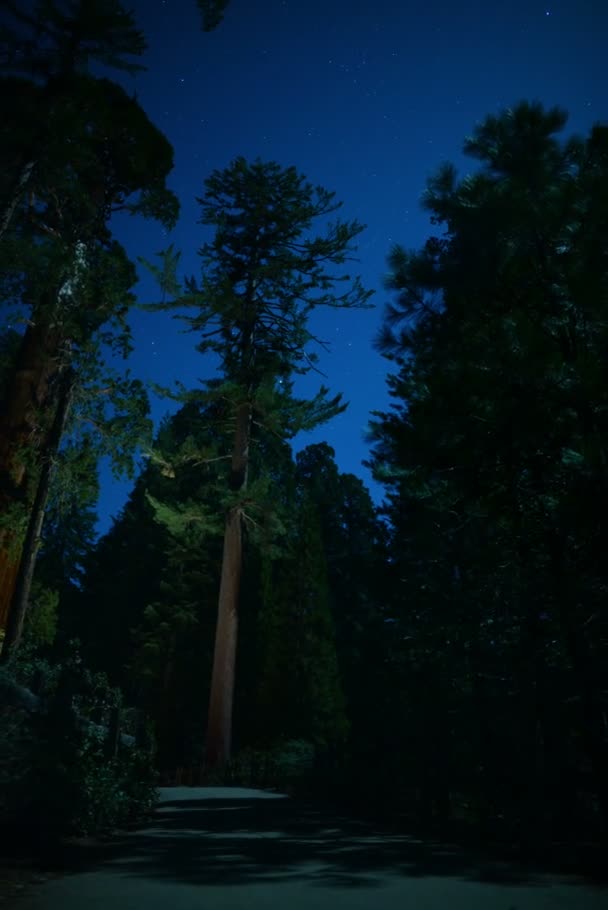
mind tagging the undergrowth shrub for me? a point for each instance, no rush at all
(285, 766)
(58, 772)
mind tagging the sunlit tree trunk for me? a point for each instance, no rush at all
(20, 434)
(25, 574)
(23, 422)
(219, 724)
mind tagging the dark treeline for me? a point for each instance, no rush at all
(251, 616)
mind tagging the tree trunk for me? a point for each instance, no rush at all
(219, 724)
(20, 433)
(25, 574)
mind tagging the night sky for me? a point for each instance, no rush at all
(366, 98)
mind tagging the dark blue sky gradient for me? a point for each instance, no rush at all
(366, 98)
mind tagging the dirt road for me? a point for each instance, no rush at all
(223, 849)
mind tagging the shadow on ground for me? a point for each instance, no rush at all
(219, 836)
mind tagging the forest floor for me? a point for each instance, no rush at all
(238, 848)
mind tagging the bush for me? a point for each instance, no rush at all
(58, 775)
(286, 766)
(112, 794)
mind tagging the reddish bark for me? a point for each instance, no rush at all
(21, 430)
(219, 724)
(23, 582)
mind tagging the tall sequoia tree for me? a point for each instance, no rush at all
(263, 275)
(72, 279)
(69, 159)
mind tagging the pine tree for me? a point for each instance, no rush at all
(353, 541)
(263, 276)
(497, 417)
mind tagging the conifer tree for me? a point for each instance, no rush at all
(497, 428)
(65, 136)
(72, 282)
(263, 275)
(299, 690)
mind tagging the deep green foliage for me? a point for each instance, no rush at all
(56, 775)
(287, 766)
(299, 694)
(490, 455)
(41, 626)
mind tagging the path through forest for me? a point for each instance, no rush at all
(218, 848)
